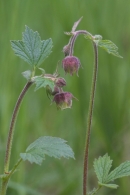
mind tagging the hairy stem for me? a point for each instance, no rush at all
(12, 124)
(91, 103)
(74, 37)
(89, 120)
(10, 140)
(6, 178)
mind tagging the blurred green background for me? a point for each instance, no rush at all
(111, 121)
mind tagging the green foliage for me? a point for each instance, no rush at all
(102, 167)
(31, 48)
(43, 82)
(121, 171)
(109, 46)
(107, 20)
(51, 146)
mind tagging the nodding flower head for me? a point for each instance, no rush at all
(63, 100)
(71, 64)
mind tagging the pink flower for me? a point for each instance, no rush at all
(71, 64)
(63, 100)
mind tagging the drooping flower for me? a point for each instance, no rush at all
(63, 100)
(71, 64)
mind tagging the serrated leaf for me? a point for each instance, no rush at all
(46, 47)
(51, 146)
(113, 186)
(19, 50)
(27, 74)
(32, 43)
(31, 49)
(43, 82)
(121, 171)
(102, 166)
(34, 156)
(109, 46)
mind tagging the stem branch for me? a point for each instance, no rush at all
(6, 178)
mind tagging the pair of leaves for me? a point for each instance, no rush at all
(102, 166)
(31, 48)
(51, 146)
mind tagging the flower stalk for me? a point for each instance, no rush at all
(89, 119)
(91, 103)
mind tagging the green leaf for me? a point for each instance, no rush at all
(121, 171)
(102, 166)
(109, 46)
(51, 146)
(43, 82)
(32, 44)
(19, 49)
(46, 47)
(31, 49)
(113, 186)
(27, 74)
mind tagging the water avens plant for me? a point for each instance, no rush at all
(34, 51)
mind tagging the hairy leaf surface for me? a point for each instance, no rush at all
(51, 146)
(43, 82)
(121, 171)
(31, 48)
(102, 166)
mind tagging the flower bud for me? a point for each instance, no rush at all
(71, 64)
(66, 49)
(63, 100)
(60, 82)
